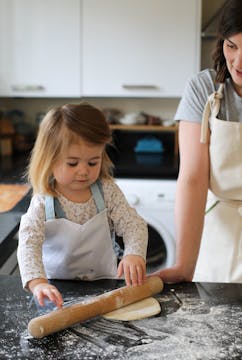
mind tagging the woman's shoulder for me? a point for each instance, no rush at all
(197, 90)
(204, 81)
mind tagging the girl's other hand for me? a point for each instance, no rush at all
(41, 289)
(134, 269)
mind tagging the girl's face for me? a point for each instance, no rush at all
(232, 48)
(75, 172)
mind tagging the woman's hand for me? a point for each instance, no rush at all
(173, 274)
(41, 289)
(134, 269)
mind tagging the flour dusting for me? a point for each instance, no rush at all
(188, 328)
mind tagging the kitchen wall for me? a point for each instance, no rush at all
(165, 108)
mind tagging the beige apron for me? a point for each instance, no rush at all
(220, 255)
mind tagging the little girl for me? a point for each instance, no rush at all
(67, 232)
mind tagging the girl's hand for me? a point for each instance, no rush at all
(41, 289)
(134, 269)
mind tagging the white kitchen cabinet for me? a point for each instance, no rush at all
(40, 48)
(140, 48)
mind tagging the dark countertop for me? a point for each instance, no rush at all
(12, 168)
(11, 172)
(9, 225)
(197, 322)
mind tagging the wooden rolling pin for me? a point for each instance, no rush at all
(67, 316)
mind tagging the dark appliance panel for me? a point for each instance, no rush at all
(151, 162)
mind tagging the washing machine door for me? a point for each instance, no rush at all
(161, 244)
(154, 201)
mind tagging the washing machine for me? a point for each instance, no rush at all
(154, 201)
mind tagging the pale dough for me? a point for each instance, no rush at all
(136, 311)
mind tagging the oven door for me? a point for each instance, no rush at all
(134, 157)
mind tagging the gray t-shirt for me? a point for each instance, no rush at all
(196, 93)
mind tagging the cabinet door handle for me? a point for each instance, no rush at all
(29, 88)
(140, 87)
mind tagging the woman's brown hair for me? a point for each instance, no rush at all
(61, 127)
(230, 23)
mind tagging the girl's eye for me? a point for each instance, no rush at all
(72, 164)
(91, 164)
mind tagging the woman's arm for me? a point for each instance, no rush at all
(191, 195)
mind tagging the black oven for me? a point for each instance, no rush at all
(144, 154)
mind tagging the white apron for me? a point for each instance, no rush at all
(74, 251)
(220, 255)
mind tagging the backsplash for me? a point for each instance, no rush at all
(164, 108)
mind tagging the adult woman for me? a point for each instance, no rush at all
(210, 140)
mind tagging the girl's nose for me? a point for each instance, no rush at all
(82, 170)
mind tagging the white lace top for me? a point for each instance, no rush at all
(123, 219)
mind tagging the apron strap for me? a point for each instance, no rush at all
(53, 208)
(59, 212)
(211, 108)
(49, 207)
(97, 192)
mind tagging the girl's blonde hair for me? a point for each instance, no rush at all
(61, 127)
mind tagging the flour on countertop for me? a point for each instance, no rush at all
(186, 330)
